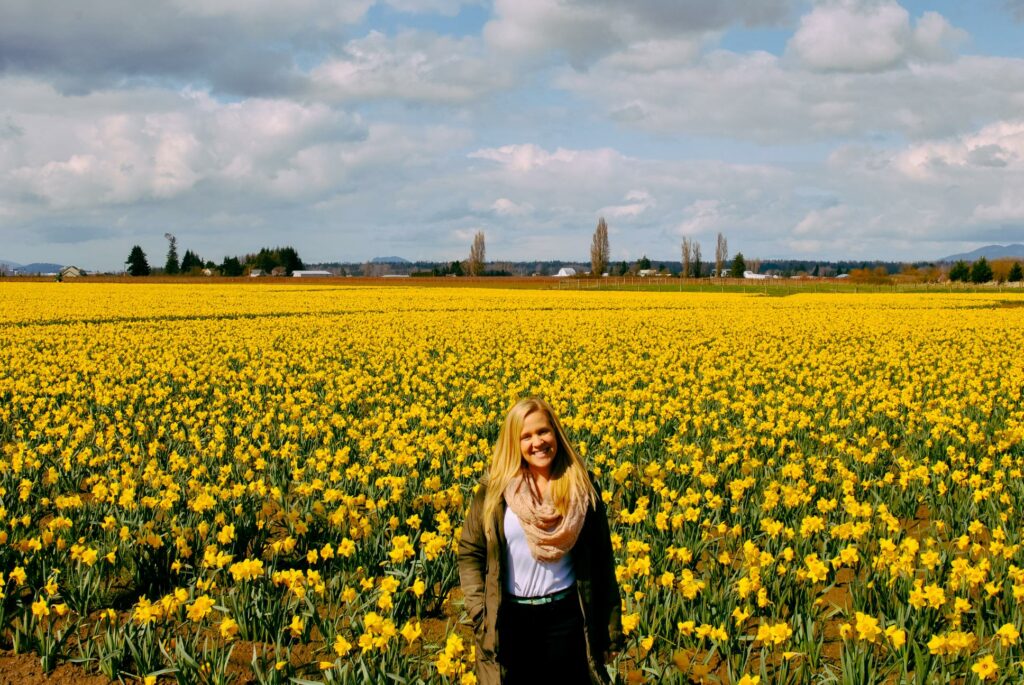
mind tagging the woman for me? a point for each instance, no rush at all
(535, 560)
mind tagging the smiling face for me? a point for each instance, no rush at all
(538, 444)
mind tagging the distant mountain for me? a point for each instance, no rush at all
(40, 268)
(389, 260)
(33, 268)
(988, 252)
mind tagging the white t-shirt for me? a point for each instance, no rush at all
(528, 577)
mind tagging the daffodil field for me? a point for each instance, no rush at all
(232, 483)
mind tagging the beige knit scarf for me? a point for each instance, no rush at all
(549, 534)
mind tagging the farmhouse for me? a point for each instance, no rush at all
(70, 272)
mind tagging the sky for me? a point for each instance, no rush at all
(353, 129)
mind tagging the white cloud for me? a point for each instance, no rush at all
(935, 38)
(1010, 208)
(506, 207)
(268, 14)
(533, 27)
(529, 157)
(636, 203)
(412, 66)
(327, 175)
(822, 222)
(652, 55)
(870, 35)
(852, 68)
(995, 149)
(107, 154)
(466, 235)
(652, 30)
(983, 170)
(702, 217)
(126, 150)
(945, 189)
(567, 186)
(445, 7)
(758, 96)
(852, 36)
(241, 47)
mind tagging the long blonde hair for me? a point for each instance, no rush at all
(568, 472)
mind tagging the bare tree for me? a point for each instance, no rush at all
(695, 259)
(685, 273)
(721, 254)
(477, 255)
(599, 251)
(754, 265)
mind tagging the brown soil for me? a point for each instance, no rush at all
(25, 669)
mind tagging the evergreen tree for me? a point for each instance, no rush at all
(960, 271)
(265, 259)
(643, 264)
(269, 259)
(289, 259)
(739, 265)
(190, 261)
(981, 272)
(231, 267)
(136, 262)
(1016, 273)
(171, 267)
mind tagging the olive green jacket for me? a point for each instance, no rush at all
(482, 563)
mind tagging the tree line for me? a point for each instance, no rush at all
(283, 260)
(286, 260)
(981, 271)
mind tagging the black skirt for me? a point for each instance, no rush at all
(542, 644)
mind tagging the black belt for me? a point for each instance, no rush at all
(544, 599)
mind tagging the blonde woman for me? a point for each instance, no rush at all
(535, 560)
